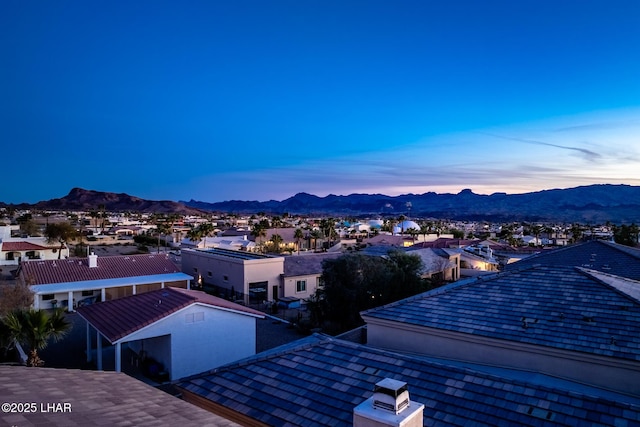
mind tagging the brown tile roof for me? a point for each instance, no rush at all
(22, 246)
(118, 318)
(43, 272)
(302, 265)
(95, 399)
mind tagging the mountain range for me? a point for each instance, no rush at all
(80, 199)
(586, 204)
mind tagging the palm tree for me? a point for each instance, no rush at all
(276, 239)
(94, 219)
(206, 230)
(194, 235)
(103, 217)
(35, 328)
(298, 235)
(259, 232)
(315, 235)
(328, 226)
(401, 219)
(161, 228)
(424, 230)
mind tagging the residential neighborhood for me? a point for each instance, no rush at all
(238, 319)
(351, 213)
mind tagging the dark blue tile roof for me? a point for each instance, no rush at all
(562, 307)
(597, 255)
(319, 384)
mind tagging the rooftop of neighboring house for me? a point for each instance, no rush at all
(230, 253)
(23, 246)
(607, 257)
(304, 265)
(568, 308)
(319, 380)
(42, 272)
(443, 242)
(93, 398)
(121, 317)
(388, 240)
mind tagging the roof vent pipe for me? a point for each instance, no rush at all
(93, 260)
(389, 406)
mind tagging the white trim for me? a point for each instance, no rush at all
(87, 285)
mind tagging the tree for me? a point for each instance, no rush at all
(61, 232)
(357, 282)
(18, 296)
(103, 217)
(259, 232)
(298, 235)
(626, 235)
(328, 227)
(413, 232)
(35, 328)
(194, 235)
(276, 240)
(459, 234)
(424, 230)
(315, 235)
(206, 230)
(401, 219)
(576, 233)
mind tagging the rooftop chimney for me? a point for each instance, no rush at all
(93, 260)
(389, 406)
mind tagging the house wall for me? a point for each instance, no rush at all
(14, 257)
(220, 337)
(615, 374)
(209, 270)
(233, 273)
(289, 287)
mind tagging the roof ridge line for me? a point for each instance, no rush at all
(623, 248)
(594, 274)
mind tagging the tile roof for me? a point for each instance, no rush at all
(22, 246)
(445, 242)
(95, 399)
(301, 265)
(388, 240)
(318, 383)
(545, 305)
(119, 318)
(42, 272)
(607, 257)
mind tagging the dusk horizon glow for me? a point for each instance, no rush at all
(217, 101)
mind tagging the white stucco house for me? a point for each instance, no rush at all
(183, 331)
(13, 250)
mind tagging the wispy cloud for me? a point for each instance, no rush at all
(587, 154)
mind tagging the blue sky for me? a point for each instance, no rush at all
(258, 100)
